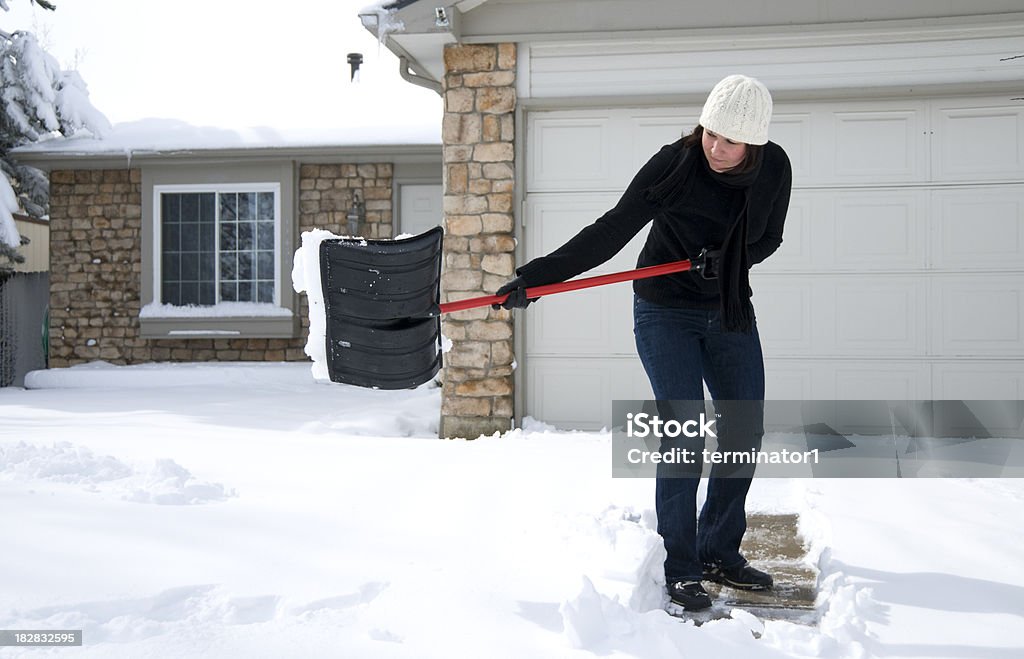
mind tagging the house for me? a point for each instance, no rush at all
(172, 242)
(901, 275)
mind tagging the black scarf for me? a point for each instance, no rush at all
(734, 265)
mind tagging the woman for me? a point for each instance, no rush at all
(723, 188)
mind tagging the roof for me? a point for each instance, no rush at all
(162, 139)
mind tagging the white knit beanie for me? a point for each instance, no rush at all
(740, 109)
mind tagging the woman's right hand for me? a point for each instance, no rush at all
(516, 289)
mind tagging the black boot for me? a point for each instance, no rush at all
(742, 576)
(690, 595)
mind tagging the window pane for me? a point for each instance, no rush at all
(206, 234)
(228, 242)
(266, 206)
(190, 293)
(207, 203)
(170, 238)
(187, 257)
(170, 293)
(266, 291)
(245, 266)
(189, 207)
(265, 265)
(170, 267)
(265, 231)
(245, 235)
(229, 292)
(228, 269)
(206, 293)
(228, 207)
(244, 291)
(246, 205)
(207, 269)
(189, 237)
(170, 208)
(189, 267)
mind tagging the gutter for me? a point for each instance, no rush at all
(421, 81)
(397, 153)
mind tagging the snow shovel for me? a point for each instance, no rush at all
(382, 302)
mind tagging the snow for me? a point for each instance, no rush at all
(220, 310)
(9, 234)
(184, 510)
(171, 135)
(306, 279)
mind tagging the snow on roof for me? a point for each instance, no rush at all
(172, 135)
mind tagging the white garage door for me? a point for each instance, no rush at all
(901, 274)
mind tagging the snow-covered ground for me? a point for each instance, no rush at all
(248, 511)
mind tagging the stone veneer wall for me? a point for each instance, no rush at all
(479, 175)
(96, 263)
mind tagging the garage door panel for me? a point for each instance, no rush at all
(792, 131)
(789, 380)
(979, 229)
(652, 133)
(570, 153)
(593, 320)
(979, 315)
(874, 145)
(879, 316)
(795, 253)
(620, 322)
(877, 229)
(978, 380)
(978, 142)
(882, 381)
(784, 312)
(569, 323)
(554, 219)
(578, 394)
(568, 394)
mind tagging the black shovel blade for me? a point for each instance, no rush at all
(381, 298)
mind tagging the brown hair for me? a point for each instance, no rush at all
(751, 159)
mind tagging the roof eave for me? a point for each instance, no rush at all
(395, 153)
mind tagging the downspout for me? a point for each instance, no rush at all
(409, 76)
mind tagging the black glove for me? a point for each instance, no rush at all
(516, 289)
(709, 261)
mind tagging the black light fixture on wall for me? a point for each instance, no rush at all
(354, 62)
(356, 213)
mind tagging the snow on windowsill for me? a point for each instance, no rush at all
(222, 310)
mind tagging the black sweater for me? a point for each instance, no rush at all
(680, 230)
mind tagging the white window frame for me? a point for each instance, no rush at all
(157, 255)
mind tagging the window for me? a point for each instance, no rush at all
(217, 246)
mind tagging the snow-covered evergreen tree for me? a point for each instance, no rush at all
(37, 101)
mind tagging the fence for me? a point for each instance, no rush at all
(24, 303)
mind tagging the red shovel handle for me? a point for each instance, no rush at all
(571, 285)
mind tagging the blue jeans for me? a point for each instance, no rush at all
(681, 349)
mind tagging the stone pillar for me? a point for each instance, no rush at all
(479, 175)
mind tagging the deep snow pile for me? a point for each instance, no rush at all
(328, 520)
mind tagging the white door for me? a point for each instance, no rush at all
(901, 274)
(419, 207)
